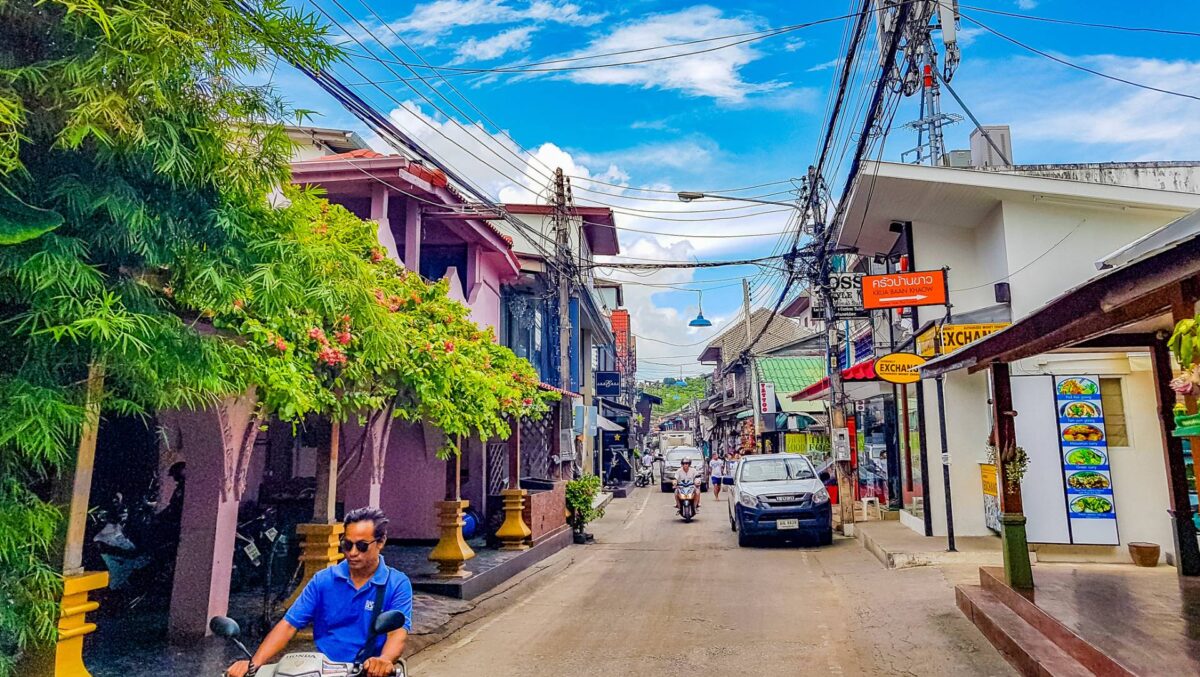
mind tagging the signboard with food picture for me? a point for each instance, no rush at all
(1091, 510)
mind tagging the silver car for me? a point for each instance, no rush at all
(671, 463)
(779, 496)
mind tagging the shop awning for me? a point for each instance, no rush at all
(863, 371)
(607, 424)
(745, 414)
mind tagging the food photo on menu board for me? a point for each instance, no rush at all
(1085, 448)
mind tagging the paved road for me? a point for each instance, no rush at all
(655, 596)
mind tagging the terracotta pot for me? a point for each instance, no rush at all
(1144, 554)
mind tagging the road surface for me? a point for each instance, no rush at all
(655, 596)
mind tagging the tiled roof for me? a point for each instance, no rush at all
(781, 331)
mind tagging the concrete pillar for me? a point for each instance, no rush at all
(412, 235)
(379, 214)
(217, 444)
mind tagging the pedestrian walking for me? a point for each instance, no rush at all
(716, 469)
(731, 463)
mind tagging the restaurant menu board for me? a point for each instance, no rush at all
(1091, 510)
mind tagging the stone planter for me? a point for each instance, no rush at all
(1144, 554)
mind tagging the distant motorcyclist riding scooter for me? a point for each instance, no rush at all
(687, 498)
(347, 606)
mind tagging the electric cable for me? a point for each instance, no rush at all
(1084, 24)
(1076, 66)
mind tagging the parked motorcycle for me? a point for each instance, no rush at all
(686, 492)
(305, 664)
(136, 550)
(645, 477)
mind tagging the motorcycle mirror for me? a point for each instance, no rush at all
(389, 621)
(224, 626)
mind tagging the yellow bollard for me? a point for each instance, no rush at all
(514, 531)
(451, 552)
(72, 622)
(320, 550)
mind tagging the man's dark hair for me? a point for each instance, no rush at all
(368, 515)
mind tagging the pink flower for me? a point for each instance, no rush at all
(280, 345)
(527, 401)
(1183, 385)
(344, 338)
(317, 333)
(376, 256)
(449, 346)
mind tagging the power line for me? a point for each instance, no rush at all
(530, 67)
(1079, 67)
(1084, 24)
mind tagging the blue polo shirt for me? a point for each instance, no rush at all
(341, 614)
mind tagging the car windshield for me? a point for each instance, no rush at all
(680, 453)
(777, 469)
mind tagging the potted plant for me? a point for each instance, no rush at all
(1185, 345)
(581, 495)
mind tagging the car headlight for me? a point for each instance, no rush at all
(748, 500)
(820, 496)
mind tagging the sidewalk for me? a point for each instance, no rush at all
(899, 547)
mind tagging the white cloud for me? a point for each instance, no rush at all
(1026, 4)
(793, 45)
(657, 125)
(513, 39)
(466, 148)
(685, 154)
(966, 35)
(826, 65)
(715, 74)
(1108, 120)
(430, 21)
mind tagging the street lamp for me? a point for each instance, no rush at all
(691, 195)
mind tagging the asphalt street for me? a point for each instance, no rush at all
(656, 596)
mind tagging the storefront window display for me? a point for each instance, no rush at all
(912, 482)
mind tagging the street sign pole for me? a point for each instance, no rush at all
(941, 404)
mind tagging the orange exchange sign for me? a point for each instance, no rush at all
(902, 290)
(899, 367)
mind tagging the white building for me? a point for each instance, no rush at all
(1012, 239)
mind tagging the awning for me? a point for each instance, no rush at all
(863, 371)
(606, 424)
(745, 414)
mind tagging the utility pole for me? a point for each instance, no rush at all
(754, 403)
(562, 240)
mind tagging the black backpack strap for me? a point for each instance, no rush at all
(369, 645)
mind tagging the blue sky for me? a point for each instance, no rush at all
(739, 116)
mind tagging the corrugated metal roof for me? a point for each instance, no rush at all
(790, 374)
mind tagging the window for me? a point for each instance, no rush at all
(1112, 401)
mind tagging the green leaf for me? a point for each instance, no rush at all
(21, 222)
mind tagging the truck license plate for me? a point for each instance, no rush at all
(787, 524)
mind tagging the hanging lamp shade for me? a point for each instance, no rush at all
(700, 320)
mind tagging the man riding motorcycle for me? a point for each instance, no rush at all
(340, 603)
(686, 474)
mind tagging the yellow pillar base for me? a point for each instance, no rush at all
(451, 552)
(72, 623)
(319, 551)
(514, 532)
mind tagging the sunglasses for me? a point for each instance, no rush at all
(362, 546)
